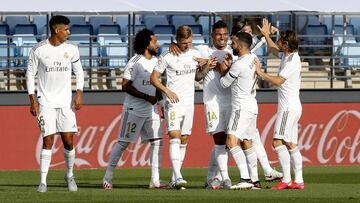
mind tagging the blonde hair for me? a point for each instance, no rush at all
(183, 32)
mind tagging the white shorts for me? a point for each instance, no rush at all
(179, 118)
(286, 126)
(242, 124)
(54, 120)
(217, 118)
(133, 126)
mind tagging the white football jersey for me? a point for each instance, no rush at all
(289, 91)
(138, 70)
(54, 65)
(213, 92)
(241, 77)
(180, 74)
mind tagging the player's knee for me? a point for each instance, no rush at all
(231, 141)
(276, 143)
(290, 145)
(48, 142)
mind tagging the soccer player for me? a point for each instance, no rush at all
(289, 105)
(242, 124)
(269, 173)
(179, 91)
(53, 60)
(140, 114)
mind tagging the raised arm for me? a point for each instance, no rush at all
(266, 30)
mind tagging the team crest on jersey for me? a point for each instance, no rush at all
(172, 124)
(66, 55)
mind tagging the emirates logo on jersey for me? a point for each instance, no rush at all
(66, 55)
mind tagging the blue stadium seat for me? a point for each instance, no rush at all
(81, 33)
(182, 20)
(111, 42)
(284, 22)
(4, 49)
(41, 24)
(313, 20)
(351, 53)
(86, 56)
(164, 33)
(196, 29)
(95, 21)
(319, 41)
(152, 20)
(12, 21)
(25, 38)
(124, 31)
(79, 20)
(327, 20)
(4, 33)
(204, 21)
(301, 22)
(355, 20)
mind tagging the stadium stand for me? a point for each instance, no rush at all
(330, 54)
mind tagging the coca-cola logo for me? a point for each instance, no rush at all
(329, 142)
(98, 140)
(331, 139)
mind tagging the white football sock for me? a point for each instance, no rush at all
(222, 161)
(175, 157)
(212, 167)
(115, 155)
(251, 160)
(70, 160)
(155, 159)
(296, 162)
(284, 159)
(240, 160)
(45, 160)
(261, 154)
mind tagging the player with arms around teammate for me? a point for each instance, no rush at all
(289, 105)
(242, 124)
(53, 60)
(140, 114)
(179, 91)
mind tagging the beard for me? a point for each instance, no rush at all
(152, 51)
(235, 52)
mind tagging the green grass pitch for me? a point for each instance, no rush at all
(323, 184)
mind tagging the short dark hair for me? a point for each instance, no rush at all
(244, 37)
(239, 26)
(290, 38)
(58, 20)
(142, 40)
(219, 24)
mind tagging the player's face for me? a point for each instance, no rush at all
(247, 29)
(235, 45)
(282, 45)
(153, 46)
(185, 44)
(220, 37)
(62, 32)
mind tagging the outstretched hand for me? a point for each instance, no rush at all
(266, 27)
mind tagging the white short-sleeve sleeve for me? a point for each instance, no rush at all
(130, 71)
(287, 70)
(230, 76)
(161, 64)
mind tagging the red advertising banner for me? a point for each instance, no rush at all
(329, 134)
